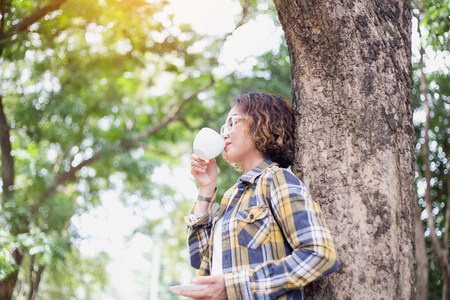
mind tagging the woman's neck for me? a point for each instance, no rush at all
(253, 161)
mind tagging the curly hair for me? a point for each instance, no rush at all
(271, 125)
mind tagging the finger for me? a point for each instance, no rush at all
(198, 164)
(211, 161)
(196, 158)
(195, 164)
(194, 294)
(205, 280)
(198, 294)
(196, 170)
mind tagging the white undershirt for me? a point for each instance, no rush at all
(217, 243)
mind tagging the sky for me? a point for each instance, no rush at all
(217, 17)
(105, 227)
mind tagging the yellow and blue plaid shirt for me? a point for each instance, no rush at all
(274, 237)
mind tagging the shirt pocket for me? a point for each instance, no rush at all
(253, 226)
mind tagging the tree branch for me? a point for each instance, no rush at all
(418, 5)
(34, 277)
(239, 23)
(30, 274)
(65, 177)
(60, 161)
(3, 12)
(31, 19)
(125, 145)
(172, 115)
(70, 175)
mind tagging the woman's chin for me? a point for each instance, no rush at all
(228, 157)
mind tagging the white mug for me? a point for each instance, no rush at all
(208, 144)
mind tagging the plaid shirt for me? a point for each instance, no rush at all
(274, 237)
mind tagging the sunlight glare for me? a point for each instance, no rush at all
(210, 17)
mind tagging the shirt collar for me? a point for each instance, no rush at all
(251, 175)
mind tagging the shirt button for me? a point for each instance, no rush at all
(251, 217)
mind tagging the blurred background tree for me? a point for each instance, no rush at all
(97, 98)
(431, 96)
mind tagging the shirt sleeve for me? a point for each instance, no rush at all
(199, 232)
(304, 227)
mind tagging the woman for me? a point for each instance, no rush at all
(268, 239)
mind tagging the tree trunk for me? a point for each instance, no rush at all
(7, 285)
(446, 289)
(421, 258)
(7, 175)
(351, 91)
(156, 269)
(8, 172)
(7, 159)
(35, 282)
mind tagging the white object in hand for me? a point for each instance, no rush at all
(177, 289)
(208, 144)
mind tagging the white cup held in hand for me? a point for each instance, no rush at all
(208, 144)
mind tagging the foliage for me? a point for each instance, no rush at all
(87, 92)
(439, 157)
(73, 277)
(92, 90)
(437, 22)
(434, 28)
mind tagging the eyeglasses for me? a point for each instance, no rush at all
(229, 125)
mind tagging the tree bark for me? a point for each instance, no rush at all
(351, 92)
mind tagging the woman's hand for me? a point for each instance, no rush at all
(216, 289)
(204, 171)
